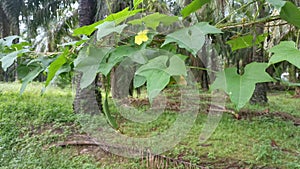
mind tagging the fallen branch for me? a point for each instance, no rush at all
(156, 161)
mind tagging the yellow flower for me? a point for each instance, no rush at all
(141, 37)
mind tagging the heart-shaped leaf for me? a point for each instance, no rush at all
(288, 11)
(241, 87)
(89, 65)
(245, 41)
(157, 73)
(285, 51)
(153, 20)
(191, 38)
(114, 58)
(107, 28)
(9, 59)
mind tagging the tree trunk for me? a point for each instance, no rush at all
(5, 25)
(87, 12)
(116, 90)
(201, 76)
(260, 93)
(87, 100)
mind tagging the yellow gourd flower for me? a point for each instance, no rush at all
(141, 37)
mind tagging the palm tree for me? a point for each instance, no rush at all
(49, 14)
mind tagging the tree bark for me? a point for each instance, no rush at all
(87, 12)
(260, 93)
(87, 100)
(4, 33)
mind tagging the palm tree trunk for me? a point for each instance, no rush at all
(5, 23)
(90, 99)
(260, 93)
(87, 12)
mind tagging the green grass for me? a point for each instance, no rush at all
(30, 123)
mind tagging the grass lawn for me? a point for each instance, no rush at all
(31, 124)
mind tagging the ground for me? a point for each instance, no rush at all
(43, 132)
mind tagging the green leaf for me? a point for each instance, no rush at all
(157, 80)
(241, 87)
(9, 59)
(193, 7)
(136, 3)
(81, 55)
(89, 65)
(176, 67)
(153, 20)
(159, 62)
(44, 61)
(285, 51)
(111, 120)
(138, 81)
(157, 73)
(107, 28)
(288, 11)
(116, 17)
(291, 14)
(8, 41)
(30, 77)
(56, 65)
(140, 56)
(245, 41)
(192, 38)
(114, 58)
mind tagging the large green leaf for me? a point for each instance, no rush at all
(107, 28)
(157, 73)
(55, 66)
(9, 59)
(116, 17)
(153, 20)
(89, 65)
(30, 76)
(9, 40)
(241, 87)
(285, 51)
(290, 13)
(193, 7)
(114, 58)
(192, 38)
(138, 81)
(157, 80)
(245, 41)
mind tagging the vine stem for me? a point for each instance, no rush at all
(242, 24)
(297, 41)
(201, 68)
(233, 12)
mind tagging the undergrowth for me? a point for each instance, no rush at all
(30, 123)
